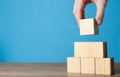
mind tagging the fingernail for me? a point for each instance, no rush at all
(99, 22)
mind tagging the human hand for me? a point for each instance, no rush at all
(79, 6)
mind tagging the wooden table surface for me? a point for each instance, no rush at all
(44, 70)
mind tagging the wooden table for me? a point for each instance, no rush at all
(44, 70)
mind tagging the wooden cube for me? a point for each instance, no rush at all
(88, 27)
(104, 66)
(90, 49)
(73, 65)
(88, 65)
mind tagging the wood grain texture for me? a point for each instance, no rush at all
(73, 65)
(104, 66)
(88, 27)
(88, 65)
(90, 49)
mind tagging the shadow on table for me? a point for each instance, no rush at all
(117, 68)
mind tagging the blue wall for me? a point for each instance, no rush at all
(45, 30)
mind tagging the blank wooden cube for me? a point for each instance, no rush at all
(104, 66)
(90, 49)
(73, 65)
(88, 27)
(88, 65)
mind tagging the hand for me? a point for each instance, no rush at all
(79, 6)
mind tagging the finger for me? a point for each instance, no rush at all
(79, 9)
(82, 16)
(100, 14)
(100, 4)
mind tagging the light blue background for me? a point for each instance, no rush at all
(45, 30)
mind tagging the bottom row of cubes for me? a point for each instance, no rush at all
(90, 65)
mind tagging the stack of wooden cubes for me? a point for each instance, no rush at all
(90, 57)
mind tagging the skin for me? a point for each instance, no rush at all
(79, 6)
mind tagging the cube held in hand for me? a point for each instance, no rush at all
(88, 27)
